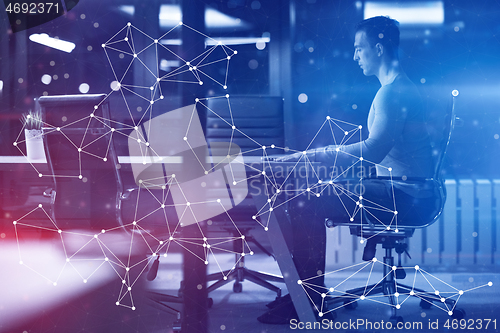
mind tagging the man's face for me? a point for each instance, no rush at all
(365, 54)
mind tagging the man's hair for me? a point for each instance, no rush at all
(383, 30)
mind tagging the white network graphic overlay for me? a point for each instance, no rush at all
(158, 243)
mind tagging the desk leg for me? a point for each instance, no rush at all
(276, 222)
(195, 296)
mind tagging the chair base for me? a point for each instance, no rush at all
(239, 274)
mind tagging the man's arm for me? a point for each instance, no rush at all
(388, 123)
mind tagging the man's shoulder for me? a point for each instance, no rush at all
(401, 91)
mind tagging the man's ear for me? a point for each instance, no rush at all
(380, 49)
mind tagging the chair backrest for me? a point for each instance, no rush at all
(258, 121)
(449, 125)
(89, 200)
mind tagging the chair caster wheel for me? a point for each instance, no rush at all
(458, 314)
(395, 320)
(350, 304)
(210, 302)
(425, 304)
(176, 327)
(237, 287)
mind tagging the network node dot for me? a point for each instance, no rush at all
(180, 23)
(388, 228)
(224, 87)
(206, 262)
(129, 288)
(394, 268)
(395, 212)
(417, 267)
(134, 223)
(104, 159)
(162, 97)
(233, 127)
(91, 115)
(55, 284)
(318, 195)
(133, 308)
(266, 228)
(135, 55)
(361, 158)
(490, 283)
(251, 253)
(272, 146)
(450, 313)
(173, 175)
(278, 191)
(162, 206)
(234, 183)
(14, 223)
(127, 268)
(171, 238)
(346, 132)
(442, 300)
(304, 152)
(396, 294)
(40, 205)
(20, 263)
(374, 259)
(390, 169)
(308, 189)
(323, 295)
(271, 209)
(460, 292)
(185, 138)
(151, 102)
(254, 217)
(412, 293)
(102, 45)
(59, 231)
(201, 83)
(243, 254)
(398, 306)
(15, 143)
(79, 150)
(80, 176)
(228, 58)
(123, 281)
(263, 172)
(151, 88)
(436, 292)
(320, 314)
(117, 303)
(396, 231)
(58, 129)
(328, 117)
(188, 204)
(360, 127)
(136, 128)
(218, 200)
(362, 297)
(225, 277)
(85, 281)
(235, 52)
(106, 259)
(337, 149)
(299, 282)
(227, 95)
(67, 259)
(95, 236)
(156, 41)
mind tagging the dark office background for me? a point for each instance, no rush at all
(310, 52)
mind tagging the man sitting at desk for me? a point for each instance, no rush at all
(398, 144)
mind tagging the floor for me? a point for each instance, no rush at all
(28, 303)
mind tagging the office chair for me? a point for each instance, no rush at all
(82, 163)
(392, 240)
(260, 120)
